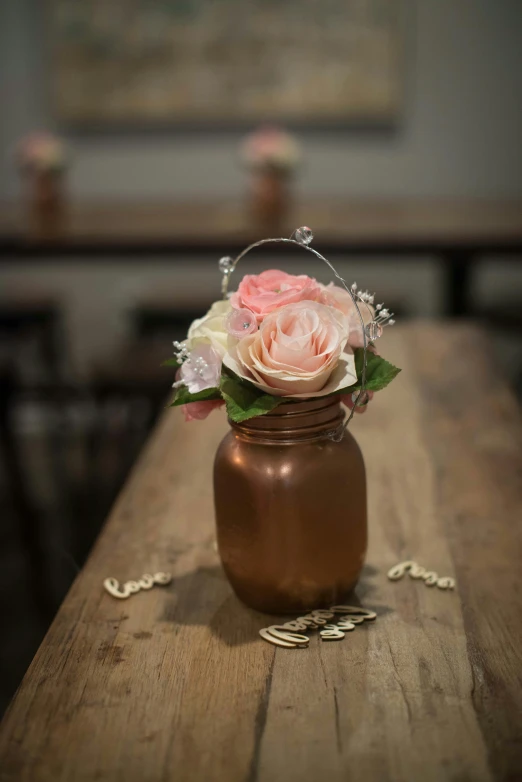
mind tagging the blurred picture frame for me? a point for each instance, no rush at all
(226, 62)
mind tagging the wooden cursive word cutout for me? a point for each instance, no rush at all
(112, 585)
(331, 633)
(429, 577)
(288, 636)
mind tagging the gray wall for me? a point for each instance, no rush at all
(460, 132)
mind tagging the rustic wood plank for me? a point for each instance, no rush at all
(475, 438)
(174, 684)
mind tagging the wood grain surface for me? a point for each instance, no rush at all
(175, 683)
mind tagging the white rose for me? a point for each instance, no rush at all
(210, 328)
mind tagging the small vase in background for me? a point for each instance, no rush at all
(270, 198)
(41, 158)
(46, 202)
(271, 155)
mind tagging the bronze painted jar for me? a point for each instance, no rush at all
(291, 508)
(270, 198)
(46, 203)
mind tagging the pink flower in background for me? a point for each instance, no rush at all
(197, 411)
(41, 151)
(298, 351)
(263, 293)
(241, 322)
(271, 147)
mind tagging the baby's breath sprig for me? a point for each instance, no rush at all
(380, 318)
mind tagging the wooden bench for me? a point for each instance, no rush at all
(456, 232)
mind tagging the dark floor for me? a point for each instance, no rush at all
(73, 466)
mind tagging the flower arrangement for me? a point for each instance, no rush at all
(270, 149)
(281, 338)
(41, 153)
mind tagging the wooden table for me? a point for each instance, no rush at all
(457, 232)
(175, 683)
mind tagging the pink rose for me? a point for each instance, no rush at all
(298, 351)
(196, 411)
(335, 296)
(263, 293)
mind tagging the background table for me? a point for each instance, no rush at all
(457, 232)
(175, 683)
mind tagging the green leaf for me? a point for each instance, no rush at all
(184, 397)
(171, 362)
(379, 372)
(244, 400)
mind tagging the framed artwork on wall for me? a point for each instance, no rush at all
(226, 61)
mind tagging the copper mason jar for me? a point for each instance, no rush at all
(291, 508)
